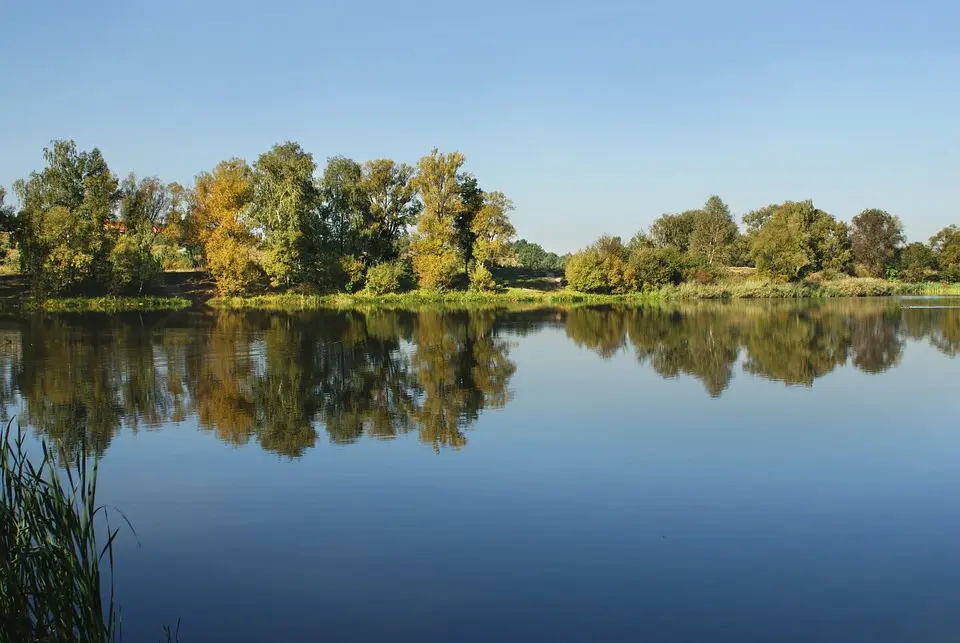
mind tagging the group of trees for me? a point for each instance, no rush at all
(790, 241)
(377, 223)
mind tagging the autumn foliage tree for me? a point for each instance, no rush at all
(434, 248)
(221, 224)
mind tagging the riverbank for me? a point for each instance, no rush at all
(194, 289)
(751, 289)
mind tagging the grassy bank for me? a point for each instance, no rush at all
(749, 289)
(106, 304)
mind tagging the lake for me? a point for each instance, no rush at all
(745, 471)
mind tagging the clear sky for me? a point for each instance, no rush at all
(594, 117)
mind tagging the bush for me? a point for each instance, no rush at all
(656, 267)
(132, 267)
(353, 272)
(602, 268)
(436, 270)
(385, 278)
(482, 279)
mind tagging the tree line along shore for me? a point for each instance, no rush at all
(382, 229)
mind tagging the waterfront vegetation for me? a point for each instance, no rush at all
(280, 230)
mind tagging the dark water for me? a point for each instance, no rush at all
(772, 471)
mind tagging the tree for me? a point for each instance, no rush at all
(435, 247)
(285, 207)
(602, 268)
(656, 267)
(917, 261)
(492, 231)
(473, 199)
(342, 202)
(144, 207)
(946, 246)
(756, 219)
(799, 239)
(8, 223)
(220, 221)
(62, 233)
(714, 231)
(876, 236)
(674, 230)
(532, 255)
(392, 205)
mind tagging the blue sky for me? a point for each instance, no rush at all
(594, 117)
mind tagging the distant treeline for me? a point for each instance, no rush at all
(386, 226)
(791, 241)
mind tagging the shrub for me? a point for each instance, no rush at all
(436, 270)
(385, 278)
(656, 267)
(353, 272)
(602, 268)
(482, 279)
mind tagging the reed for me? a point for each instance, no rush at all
(56, 567)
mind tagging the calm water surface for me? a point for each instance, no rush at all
(771, 471)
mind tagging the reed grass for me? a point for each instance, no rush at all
(56, 570)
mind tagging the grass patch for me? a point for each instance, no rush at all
(107, 304)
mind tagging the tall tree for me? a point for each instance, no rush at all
(63, 235)
(392, 206)
(342, 202)
(876, 236)
(714, 231)
(435, 247)
(285, 207)
(473, 201)
(221, 222)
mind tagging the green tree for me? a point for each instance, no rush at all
(63, 234)
(435, 246)
(714, 231)
(144, 207)
(876, 236)
(656, 267)
(342, 202)
(532, 255)
(917, 261)
(800, 239)
(473, 199)
(674, 230)
(285, 207)
(946, 246)
(392, 206)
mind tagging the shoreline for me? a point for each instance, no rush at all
(724, 291)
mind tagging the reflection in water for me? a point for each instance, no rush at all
(280, 378)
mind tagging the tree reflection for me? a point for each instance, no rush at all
(281, 379)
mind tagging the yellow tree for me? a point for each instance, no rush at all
(434, 249)
(219, 224)
(492, 233)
